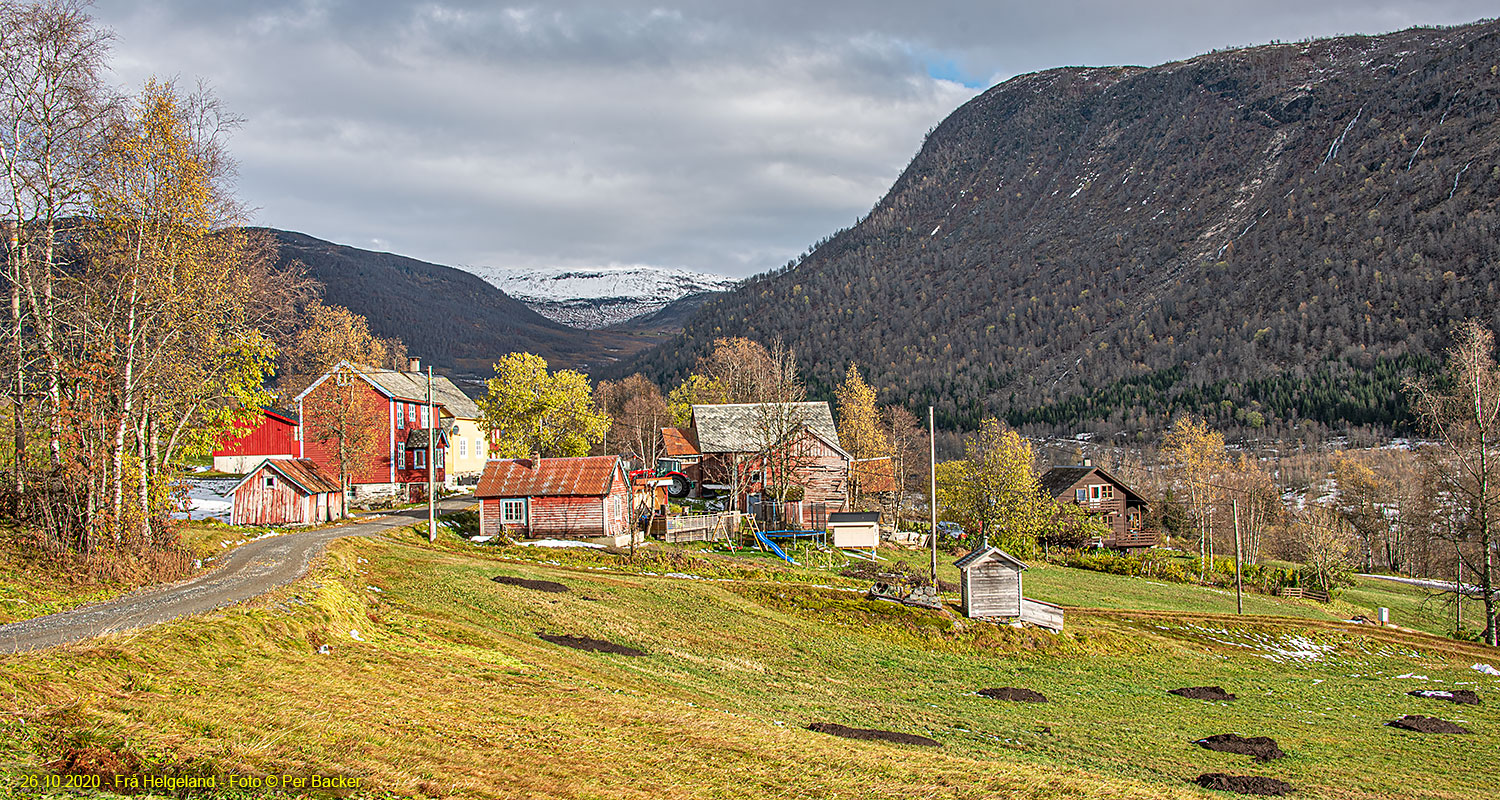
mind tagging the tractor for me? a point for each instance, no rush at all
(668, 468)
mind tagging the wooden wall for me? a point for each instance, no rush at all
(283, 504)
(991, 589)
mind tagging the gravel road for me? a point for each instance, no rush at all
(250, 570)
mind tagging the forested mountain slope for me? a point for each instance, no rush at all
(447, 317)
(1274, 233)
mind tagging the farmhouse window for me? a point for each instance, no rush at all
(270, 481)
(400, 456)
(419, 458)
(463, 448)
(1081, 495)
(513, 512)
(425, 409)
(400, 419)
(1133, 519)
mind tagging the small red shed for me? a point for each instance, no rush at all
(273, 433)
(564, 498)
(286, 491)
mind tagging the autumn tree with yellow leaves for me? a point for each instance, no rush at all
(860, 430)
(536, 412)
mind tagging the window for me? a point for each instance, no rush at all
(1107, 492)
(478, 450)
(419, 458)
(400, 456)
(400, 420)
(513, 512)
(270, 481)
(1094, 493)
(425, 416)
(1081, 495)
(463, 448)
(442, 457)
(411, 412)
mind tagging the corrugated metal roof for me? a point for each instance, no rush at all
(740, 427)
(548, 477)
(302, 472)
(678, 442)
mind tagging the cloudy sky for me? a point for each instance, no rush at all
(719, 136)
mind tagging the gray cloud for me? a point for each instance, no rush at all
(723, 137)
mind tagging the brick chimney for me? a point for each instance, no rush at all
(414, 365)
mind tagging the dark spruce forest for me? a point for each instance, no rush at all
(1267, 236)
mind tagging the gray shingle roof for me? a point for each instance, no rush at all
(739, 427)
(413, 386)
(985, 552)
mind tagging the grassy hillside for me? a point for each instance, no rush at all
(434, 682)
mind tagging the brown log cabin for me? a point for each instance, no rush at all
(1102, 493)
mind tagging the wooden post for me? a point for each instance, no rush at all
(1458, 594)
(932, 480)
(1239, 588)
(431, 461)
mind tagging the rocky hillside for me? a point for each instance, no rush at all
(1266, 235)
(604, 296)
(448, 317)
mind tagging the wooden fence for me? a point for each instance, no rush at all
(1304, 593)
(697, 527)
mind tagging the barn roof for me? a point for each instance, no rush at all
(678, 442)
(985, 552)
(736, 428)
(589, 476)
(1058, 480)
(301, 472)
(282, 414)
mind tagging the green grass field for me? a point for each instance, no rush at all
(435, 683)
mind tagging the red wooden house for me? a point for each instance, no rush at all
(561, 498)
(272, 435)
(736, 456)
(381, 417)
(286, 491)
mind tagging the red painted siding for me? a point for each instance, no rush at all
(282, 504)
(567, 517)
(270, 435)
(377, 465)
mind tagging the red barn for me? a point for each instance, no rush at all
(286, 491)
(273, 435)
(378, 420)
(565, 498)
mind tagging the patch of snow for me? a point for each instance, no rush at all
(375, 589)
(354, 634)
(1485, 669)
(562, 543)
(596, 297)
(481, 539)
(1415, 677)
(208, 498)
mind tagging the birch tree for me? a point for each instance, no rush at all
(1463, 414)
(859, 429)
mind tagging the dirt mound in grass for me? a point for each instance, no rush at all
(1013, 694)
(1262, 747)
(528, 583)
(1243, 784)
(1216, 693)
(93, 760)
(872, 734)
(590, 645)
(1421, 724)
(1461, 696)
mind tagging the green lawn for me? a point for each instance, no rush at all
(437, 684)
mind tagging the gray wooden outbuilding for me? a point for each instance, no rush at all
(990, 587)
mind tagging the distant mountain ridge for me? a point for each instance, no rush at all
(603, 296)
(446, 316)
(1263, 236)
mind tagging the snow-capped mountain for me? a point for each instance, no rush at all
(597, 297)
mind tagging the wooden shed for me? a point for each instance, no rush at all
(990, 587)
(565, 498)
(855, 530)
(286, 491)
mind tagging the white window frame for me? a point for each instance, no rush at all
(514, 511)
(401, 456)
(270, 482)
(463, 447)
(418, 459)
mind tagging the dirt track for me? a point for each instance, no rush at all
(248, 571)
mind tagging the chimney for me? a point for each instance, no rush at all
(414, 365)
(1088, 462)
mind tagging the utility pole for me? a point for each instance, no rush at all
(1239, 588)
(932, 481)
(432, 450)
